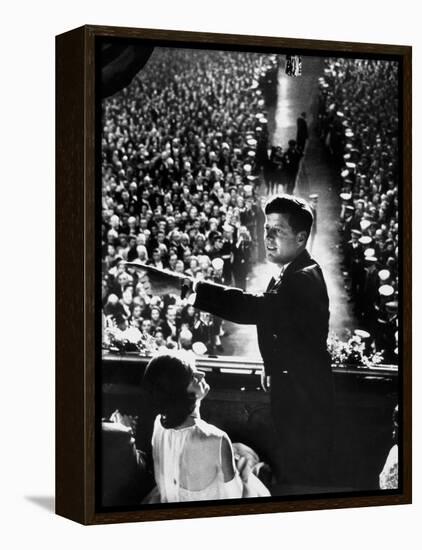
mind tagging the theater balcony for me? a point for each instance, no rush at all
(365, 399)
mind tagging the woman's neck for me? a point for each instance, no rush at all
(191, 419)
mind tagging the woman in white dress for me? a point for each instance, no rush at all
(193, 460)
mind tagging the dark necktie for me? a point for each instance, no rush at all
(274, 282)
(271, 284)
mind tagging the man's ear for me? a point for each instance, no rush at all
(302, 237)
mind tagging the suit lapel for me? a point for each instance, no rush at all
(303, 260)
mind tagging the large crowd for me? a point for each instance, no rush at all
(184, 151)
(359, 123)
(183, 147)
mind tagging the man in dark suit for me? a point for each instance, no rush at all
(354, 257)
(302, 132)
(292, 324)
(291, 159)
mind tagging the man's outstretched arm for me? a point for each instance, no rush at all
(228, 303)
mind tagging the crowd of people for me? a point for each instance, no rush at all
(183, 147)
(184, 151)
(280, 165)
(359, 123)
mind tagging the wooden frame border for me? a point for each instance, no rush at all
(75, 274)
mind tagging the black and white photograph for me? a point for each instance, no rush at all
(250, 235)
(211, 233)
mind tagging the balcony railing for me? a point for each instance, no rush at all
(244, 366)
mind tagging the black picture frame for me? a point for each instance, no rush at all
(77, 329)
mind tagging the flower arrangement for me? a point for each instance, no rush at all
(353, 352)
(129, 339)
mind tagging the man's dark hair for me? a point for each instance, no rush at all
(298, 211)
(215, 236)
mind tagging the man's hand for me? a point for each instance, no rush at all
(265, 381)
(245, 471)
(127, 420)
(158, 282)
(243, 467)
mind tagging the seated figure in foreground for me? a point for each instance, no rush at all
(389, 477)
(193, 460)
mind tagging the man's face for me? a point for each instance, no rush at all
(171, 315)
(137, 312)
(218, 245)
(179, 267)
(281, 243)
(122, 278)
(205, 317)
(159, 340)
(155, 315)
(127, 298)
(146, 326)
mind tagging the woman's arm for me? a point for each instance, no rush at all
(237, 477)
(233, 485)
(227, 460)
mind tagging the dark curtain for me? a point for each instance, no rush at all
(119, 64)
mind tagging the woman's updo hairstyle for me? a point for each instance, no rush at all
(167, 377)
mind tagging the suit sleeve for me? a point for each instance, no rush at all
(229, 303)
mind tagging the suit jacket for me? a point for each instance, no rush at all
(168, 330)
(354, 256)
(302, 131)
(292, 325)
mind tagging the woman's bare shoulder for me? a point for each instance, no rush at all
(205, 430)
